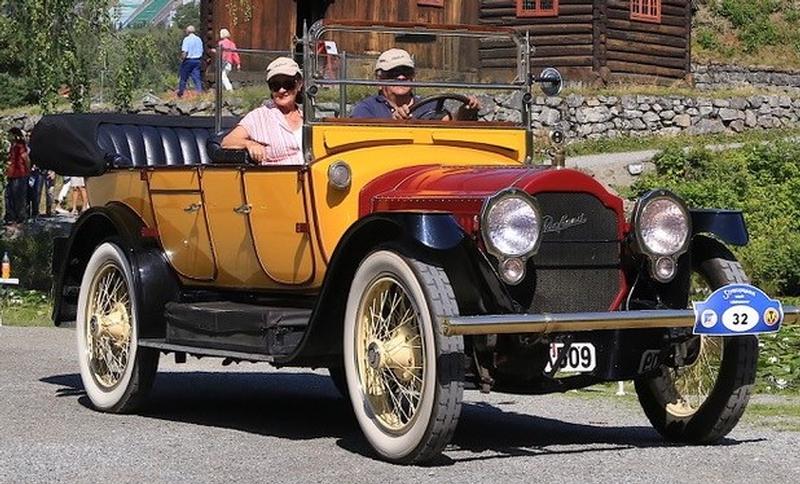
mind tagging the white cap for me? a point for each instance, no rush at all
(394, 58)
(282, 65)
(224, 34)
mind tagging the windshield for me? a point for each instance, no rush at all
(469, 74)
(370, 73)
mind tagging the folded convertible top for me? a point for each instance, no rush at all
(68, 143)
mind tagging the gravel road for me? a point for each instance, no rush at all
(246, 423)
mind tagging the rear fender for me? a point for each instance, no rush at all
(154, 282)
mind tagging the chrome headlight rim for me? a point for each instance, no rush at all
(491, 202)
(641, 204)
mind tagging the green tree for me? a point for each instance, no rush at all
(56, 42)
(187, 14)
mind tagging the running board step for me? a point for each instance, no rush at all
(238, 327)
(162, 345)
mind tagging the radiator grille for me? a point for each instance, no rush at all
(578, 265)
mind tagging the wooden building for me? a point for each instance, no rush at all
(589, 40)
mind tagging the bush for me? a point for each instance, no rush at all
(31, 258)
(15, 91)
(707, 39)
(761, 180)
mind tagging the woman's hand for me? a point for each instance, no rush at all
(256, 151)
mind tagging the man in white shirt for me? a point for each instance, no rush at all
(191, 54)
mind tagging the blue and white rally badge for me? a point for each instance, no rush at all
(737, 309)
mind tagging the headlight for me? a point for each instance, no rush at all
(511, 224)
(662, 224)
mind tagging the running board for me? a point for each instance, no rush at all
(162, 345)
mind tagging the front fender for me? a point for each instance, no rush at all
(435, 238)
(727, 225)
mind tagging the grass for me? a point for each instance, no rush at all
(783, 416)
(25, 308)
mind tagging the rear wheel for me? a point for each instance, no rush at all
(405, 378)
(702, 402)
(116, 373)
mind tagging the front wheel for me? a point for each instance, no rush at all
(116, 373)
(404, 377)
(702, 402)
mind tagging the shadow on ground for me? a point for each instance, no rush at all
(302, 406)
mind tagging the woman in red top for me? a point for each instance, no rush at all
(230, 58)
(17, 174)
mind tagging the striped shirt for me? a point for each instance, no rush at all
(267, 125)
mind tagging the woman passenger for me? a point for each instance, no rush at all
(272, 133)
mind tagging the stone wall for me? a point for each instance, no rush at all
(611, 116)
(580, 117)
(724, 76)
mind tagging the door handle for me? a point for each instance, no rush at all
(193, 207)
(243, 209)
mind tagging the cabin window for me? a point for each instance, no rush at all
(537, 8)
(646, 10)
(430, 3)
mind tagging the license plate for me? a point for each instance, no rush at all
(581, 358)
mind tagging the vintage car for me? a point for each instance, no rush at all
(412, 258)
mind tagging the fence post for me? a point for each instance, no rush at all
(342, 87)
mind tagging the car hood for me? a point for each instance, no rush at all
(463, 190)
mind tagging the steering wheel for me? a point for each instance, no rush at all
(439, 110)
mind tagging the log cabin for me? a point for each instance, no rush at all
(597, 41)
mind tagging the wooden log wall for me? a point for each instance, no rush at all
(645, 51)
(457, 55)
(270, 24)
(273, 23)
(591, 39)
(565, 41)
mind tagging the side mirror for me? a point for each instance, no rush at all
(551, 81)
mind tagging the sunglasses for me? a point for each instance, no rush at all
(282, 82)
(398, 72)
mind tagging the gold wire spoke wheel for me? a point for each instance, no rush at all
(109, 326)
(390, 354)
(694, 383)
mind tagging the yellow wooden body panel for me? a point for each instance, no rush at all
(125, 187)
(336, 211)
(279, 227)
(184, 234)
(237, 264)
(295, 218)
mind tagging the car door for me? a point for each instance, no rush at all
(180, 217)
(277, 215)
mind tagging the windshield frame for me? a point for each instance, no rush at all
(521, 83)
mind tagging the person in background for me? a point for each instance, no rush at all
(78, 188)
(395, 102)
(36, 181)
(17, 175)
(191, 53)
(273, 132)
(230, 58)
(49, 192)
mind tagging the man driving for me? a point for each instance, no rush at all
(399, 102)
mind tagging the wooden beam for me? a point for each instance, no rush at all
(645, 48)
(651, 38)
(647, 59)
(633, 68)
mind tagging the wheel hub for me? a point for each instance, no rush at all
(374, 355)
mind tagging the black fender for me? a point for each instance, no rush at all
(727, 225)
(435, 238)
(154, 281)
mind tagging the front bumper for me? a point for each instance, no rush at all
(571, 322)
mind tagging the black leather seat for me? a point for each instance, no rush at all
(135, 145)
